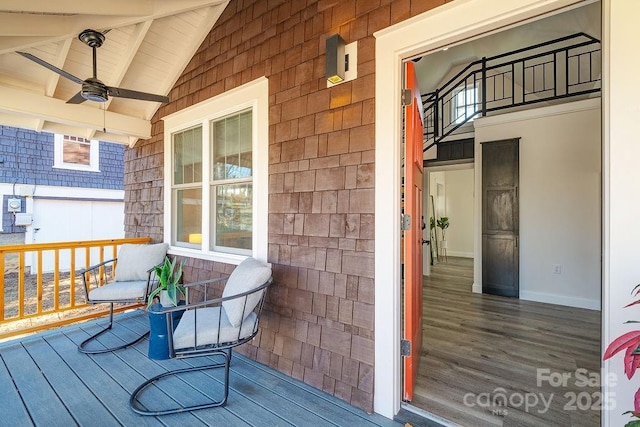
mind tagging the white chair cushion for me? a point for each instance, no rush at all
(120, 291)
(248, 275)
(206, 329)
(134, 261)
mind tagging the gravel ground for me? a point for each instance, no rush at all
(47, 299)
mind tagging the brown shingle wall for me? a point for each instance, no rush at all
(318, 325)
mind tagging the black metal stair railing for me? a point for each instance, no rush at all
(560, 68)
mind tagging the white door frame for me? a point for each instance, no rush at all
(452, 23)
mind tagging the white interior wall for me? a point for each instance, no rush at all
(621, 182)
(560, 176)
(459, 208)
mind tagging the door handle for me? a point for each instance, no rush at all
(425, 242)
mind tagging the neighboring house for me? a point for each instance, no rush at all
(255, 154)
(59, 187)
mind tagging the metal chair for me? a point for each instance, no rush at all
(212, 328)
(131, 279)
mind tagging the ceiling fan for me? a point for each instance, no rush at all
(92, 88)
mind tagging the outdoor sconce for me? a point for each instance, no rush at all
(336, 60)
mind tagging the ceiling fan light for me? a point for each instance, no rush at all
(94, 91)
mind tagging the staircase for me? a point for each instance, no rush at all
(561, 68)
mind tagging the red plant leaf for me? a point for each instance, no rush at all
(631, 361)
(632, 303)
(630, 339)
(636, 402)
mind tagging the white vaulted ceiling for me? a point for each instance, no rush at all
(148, 44)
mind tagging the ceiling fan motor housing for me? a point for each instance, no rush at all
(94, 90)
(91, 38)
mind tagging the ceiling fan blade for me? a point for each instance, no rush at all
(134, 94)
(76, 99)
(50, 67)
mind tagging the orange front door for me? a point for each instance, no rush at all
(413, 185)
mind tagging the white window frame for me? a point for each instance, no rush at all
(455, 107)
(58, 156)
(255, 96)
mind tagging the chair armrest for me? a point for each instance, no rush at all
(206, 282)
(93, 267)
(215, 301)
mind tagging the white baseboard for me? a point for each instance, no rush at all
(551, 298)
(561, 300)
(459, 254)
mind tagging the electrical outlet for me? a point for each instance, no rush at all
(557, 269)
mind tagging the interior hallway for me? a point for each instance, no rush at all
(480, 351)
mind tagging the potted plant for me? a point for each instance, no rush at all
(166, 294)
(443, 224)
(169, 288)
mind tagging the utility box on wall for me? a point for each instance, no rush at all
(14, 205)
(23, 219)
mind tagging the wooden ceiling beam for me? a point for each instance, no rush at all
(25, 103)
(74, 7)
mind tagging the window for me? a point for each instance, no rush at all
(75, 152)
(215, 190)
(465, 105)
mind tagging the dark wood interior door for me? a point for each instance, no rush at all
(413, 188)
(500, 218)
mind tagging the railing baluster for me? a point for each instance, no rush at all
(101, 269)
(21, 284)
(566, 71)
(2, 285)
(72, 277)
(56, 279)
(39, 282)
(555, 74)
(484, 86)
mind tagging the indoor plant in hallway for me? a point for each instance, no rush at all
(166, 294)
(443, 224)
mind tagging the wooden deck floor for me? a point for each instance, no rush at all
(44, 380)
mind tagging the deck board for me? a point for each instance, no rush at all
(44, 380)
(11, 400)
(85, 408)
(41, 401)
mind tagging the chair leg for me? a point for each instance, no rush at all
(82, 346)
(136, 406)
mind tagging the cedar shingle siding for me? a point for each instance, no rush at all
(319, 321)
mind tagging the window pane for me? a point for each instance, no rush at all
(188, 217)
(76, 150)
(231, 147)
(187, 156)
(233, 216)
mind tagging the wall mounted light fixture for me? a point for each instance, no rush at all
(336, 61)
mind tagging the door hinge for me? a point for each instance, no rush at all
(407, 97)
(406, 222)
(405, 348)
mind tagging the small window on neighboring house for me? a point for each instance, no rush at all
(218, 152)
(465, 104)
(75, 152)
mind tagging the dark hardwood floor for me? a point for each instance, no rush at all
(493, 361)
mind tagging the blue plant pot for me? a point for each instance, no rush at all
(158, 335)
